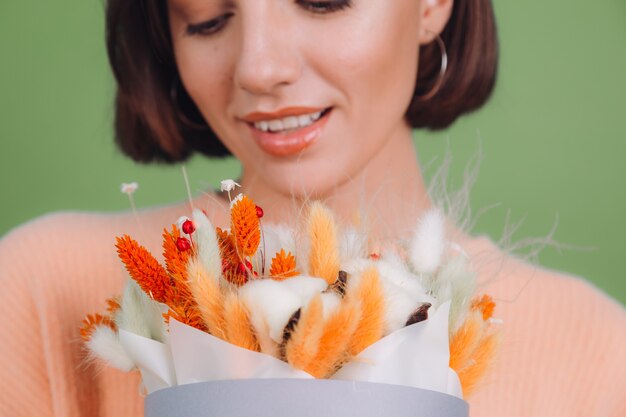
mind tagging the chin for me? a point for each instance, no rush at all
(306, 184)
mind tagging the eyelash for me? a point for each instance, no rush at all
(213, 26)
(209, 27)
(323, 7)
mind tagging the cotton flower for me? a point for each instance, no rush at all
(129, 188)
(228, 185)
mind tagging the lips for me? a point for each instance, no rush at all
(288, 131)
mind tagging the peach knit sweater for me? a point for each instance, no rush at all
(564, 351)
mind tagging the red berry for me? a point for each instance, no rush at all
(183, 244)
(188, 227)
(242, 268)
(259, 212)
(225, 265)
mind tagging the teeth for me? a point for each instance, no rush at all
(264, 126)
(287, 123)
(290, 122)
(276, 125)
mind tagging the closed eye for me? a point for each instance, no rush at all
(322, 7)
(208, 27)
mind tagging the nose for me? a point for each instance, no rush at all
(269, 56)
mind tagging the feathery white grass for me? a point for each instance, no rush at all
(352, 245)
(206, 243)
(428, 243)
(457, 283)
(139, 314)
(105, 345)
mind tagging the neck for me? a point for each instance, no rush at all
(387, 195)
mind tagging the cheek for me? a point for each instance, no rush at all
(205, 72)
(375, 60)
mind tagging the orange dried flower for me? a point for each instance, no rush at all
(245, 226)
(187, 314)
(113, 304)
(144, 268)
(231, 261)
(485, 305)
(176, 261)
(226, 244)
(283, 266)
(91, 321)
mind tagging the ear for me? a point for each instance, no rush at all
(435, 15)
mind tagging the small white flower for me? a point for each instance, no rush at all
(228, 185)
(129, 188)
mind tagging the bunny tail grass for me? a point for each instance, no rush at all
(324, 251)
(206, 240)
(371, 325)
(428, 242)
(472, 349)
(140, 315)
(237, 324)
(105, 345)
(337, 334)
(206, 291)
(465, 341)
(482, 359)
(304, 341)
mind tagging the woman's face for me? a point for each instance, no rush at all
(304, 93)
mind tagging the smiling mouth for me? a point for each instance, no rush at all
(290, 134)
(289, 124)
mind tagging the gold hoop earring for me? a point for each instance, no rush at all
(442, 72)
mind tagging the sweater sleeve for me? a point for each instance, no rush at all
(24, 383)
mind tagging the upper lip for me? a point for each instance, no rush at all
(280, 113)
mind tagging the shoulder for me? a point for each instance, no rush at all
(76, 249)
(79, 242)
(563, 338)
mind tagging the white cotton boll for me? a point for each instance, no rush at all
(403, 293)
(352, 245)
(354, 267)
(330, 303)
(271, 305)
(428, 243)
(139, 314)
(105, 345)
(206, 242)
(398, 306)
(392, 269)
(305, 287)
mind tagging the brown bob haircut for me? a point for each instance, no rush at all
(155, 120)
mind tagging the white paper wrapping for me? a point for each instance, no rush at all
(416, 356)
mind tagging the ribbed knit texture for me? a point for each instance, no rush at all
(564, 349)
